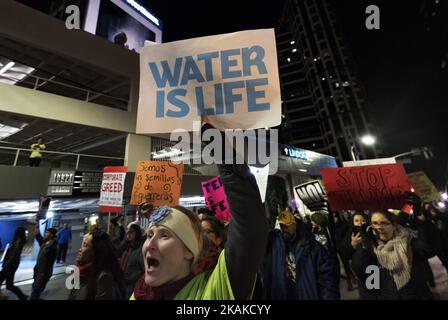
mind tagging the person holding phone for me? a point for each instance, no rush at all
(348, 243)
(398, 253)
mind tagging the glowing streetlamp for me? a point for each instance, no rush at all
(368, 140)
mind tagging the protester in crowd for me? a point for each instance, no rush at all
(11, 264)
(214, 230)
(101, 277)
(215, 235)
(131, 258)
(64, 237)
(319, 222)
(297, 266)
(348, 245)
(36, 155)
(425, 221)
(440, 220)
(399, 254)
(174, 243)
(43, 270)
(343, 231)
(114, 232)
(121, 226)
(204, 212)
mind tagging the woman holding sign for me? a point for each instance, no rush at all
(389, 261)
(175, 241)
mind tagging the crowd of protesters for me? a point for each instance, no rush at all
(186, 255)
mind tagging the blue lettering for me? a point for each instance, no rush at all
(183, 107)
(167, 75)
(191, 71)
(257, 61)
(231, 98)
(218, 99)
(160, 104)
(201, 103)
(226, 63)
(253, 95)
(208, 57)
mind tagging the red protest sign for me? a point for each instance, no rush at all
(216, 199)
(112, 188)
(366, 187)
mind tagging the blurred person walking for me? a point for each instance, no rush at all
(11, 264)
(43, 270)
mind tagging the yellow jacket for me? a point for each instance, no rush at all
(35, 150)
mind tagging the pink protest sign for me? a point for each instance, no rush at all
(215, 198)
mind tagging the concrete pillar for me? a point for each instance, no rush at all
(138, 147)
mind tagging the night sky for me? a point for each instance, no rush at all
(398, 65)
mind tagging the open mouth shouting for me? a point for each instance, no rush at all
(151, 264)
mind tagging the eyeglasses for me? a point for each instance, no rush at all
(381, 224)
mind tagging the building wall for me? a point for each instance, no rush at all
(322, 98)
(23, 182)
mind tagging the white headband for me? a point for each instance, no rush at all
(180, 224)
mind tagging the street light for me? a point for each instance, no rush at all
(368, 140)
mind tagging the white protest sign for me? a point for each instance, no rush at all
(261, 176)
(112, 187)
(368, 162)
(232, 78)
(312, 194)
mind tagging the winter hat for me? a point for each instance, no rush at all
(286, 217)
(180, 224)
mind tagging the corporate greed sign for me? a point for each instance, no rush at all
(112, 188)
(231, 78)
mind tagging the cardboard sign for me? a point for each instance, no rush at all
(157, 182)
(312, 195)
(261, 176)
(424, 187)
(216, 199)
(112, 187)
(232, 78)
(366, 187)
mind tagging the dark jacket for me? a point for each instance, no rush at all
(134, 265)
(415, 289)
(343, 236)
(247, 231)
(45, 260)
(316, 271)
(104, 288)
(12, 256)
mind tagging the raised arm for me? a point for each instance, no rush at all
(248, 229)
(38, 237)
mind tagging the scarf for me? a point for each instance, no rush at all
(164, 292)
(86, 272)
(207, 260)
(396, 255)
